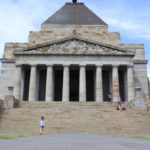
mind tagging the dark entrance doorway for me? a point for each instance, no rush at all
(58, 80)
(122, 79)
(74, 84)
(26, 84)
(90, 84)
(106, 84)
(42, 85)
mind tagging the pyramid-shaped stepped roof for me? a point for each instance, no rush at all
(74, 14)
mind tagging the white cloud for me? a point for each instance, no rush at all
(139, 30)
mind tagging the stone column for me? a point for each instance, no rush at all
(130, 80)
(82, 84)
(49, 83)
(99, 87)
(65, 94)
(32, 85)
(115, 84)
(17, 86)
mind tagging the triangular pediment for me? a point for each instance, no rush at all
(74, 46)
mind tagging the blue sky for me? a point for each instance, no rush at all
(129, 17)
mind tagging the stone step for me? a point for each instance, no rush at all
(69, 104)
(75, 117)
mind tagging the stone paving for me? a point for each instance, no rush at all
(74, 142)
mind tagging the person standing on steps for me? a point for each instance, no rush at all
(110, 97)
(42, 125)
(120, 104)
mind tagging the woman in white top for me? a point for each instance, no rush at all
(42, 124)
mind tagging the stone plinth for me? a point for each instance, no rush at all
(10, 102)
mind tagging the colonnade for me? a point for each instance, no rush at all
(49, 96)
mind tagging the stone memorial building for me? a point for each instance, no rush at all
(74, 58)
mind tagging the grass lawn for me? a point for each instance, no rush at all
(13, 137)
(143, 137)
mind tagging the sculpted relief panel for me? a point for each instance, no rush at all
(76, 47)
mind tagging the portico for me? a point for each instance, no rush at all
(74, 69)
(81, 83)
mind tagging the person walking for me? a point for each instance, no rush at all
(42, 125)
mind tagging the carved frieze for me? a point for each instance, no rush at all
(75, 47)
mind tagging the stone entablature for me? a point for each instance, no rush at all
(74, 60)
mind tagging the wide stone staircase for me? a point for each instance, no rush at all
(74, 118)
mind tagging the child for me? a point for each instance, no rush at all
(42, 124)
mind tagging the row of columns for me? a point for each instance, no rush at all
(82, 83)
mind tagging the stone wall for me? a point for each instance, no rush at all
(138, 48)
(141, 82)
(6, 78)
(95, 33)
(11, 47)
(140, 71)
